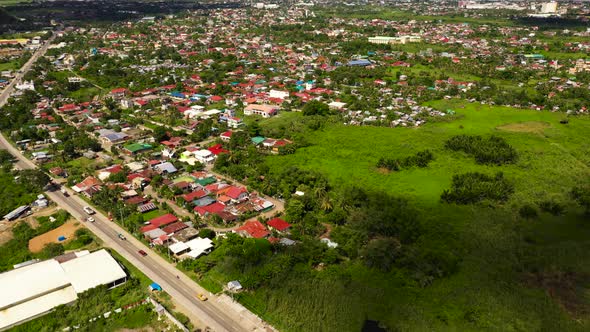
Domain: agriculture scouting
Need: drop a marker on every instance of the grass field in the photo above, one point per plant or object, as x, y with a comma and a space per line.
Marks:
12, 65
515, 275
153, 214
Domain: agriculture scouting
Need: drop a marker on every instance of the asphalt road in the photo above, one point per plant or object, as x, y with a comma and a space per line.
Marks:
213, 313
21, 73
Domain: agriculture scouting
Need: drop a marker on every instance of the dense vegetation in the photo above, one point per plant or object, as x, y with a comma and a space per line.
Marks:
493, 150
476, 266
474, 187
420, 159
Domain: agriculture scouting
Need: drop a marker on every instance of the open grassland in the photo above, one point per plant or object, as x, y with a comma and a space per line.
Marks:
515, 274
552, 159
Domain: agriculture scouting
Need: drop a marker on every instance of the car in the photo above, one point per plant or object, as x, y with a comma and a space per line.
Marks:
90, 219
143, 253
88, 210
202, 297
121, 236
65, 192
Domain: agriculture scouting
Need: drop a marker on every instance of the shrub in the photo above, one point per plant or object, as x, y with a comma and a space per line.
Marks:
420, 159
473, 187
493, 150
528, 211
552, 207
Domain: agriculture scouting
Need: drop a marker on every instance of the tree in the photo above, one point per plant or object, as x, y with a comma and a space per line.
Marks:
160, 134
52, 250
381, 253
315, 107
34, 179
207, 233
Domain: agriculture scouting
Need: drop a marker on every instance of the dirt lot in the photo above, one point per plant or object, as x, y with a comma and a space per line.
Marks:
526, 127
6, 226
68, 229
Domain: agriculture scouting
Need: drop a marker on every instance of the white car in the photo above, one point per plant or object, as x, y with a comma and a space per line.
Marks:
88, 210
90, 219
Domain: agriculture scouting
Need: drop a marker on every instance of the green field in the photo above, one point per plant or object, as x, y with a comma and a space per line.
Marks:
514, 275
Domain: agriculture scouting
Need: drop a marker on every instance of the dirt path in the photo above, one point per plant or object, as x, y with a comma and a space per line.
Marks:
68, 229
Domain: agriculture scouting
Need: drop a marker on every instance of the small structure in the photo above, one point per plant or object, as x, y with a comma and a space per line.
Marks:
234, 286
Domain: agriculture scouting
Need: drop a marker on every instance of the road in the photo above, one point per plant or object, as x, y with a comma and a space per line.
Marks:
217, 315
24, 69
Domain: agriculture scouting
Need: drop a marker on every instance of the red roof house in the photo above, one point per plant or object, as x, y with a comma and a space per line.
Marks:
163, 220
278, 224
253, 228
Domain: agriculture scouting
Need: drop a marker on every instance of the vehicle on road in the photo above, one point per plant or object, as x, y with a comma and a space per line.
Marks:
202, 297
143, 253
121, 236
88, 210
65, 192
90, 219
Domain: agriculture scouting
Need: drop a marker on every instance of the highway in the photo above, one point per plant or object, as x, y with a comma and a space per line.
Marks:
216, 314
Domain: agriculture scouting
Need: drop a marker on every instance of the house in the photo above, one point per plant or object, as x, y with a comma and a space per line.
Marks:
266, 111
163, 220
253, 229
165, 168
87, 184
234, 122
136, 148
118, 93
214, 208
204, 156
279, 225
226, 136
237, 194
109, 137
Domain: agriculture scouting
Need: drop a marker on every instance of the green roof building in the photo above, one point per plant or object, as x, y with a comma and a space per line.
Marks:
135, 148
257, 140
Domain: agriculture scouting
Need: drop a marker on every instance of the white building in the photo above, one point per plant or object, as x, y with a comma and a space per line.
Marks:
34, 290
278, 94
549, 7
395, 40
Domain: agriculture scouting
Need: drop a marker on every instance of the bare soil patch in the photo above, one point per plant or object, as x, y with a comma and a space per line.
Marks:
68, 229
570, 290
536, 127
383, 170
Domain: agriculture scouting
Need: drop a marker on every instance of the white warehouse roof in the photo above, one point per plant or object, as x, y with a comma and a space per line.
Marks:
89, 271
36, 289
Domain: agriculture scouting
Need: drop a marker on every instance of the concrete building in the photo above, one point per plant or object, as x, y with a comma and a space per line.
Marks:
549, 7
34, 290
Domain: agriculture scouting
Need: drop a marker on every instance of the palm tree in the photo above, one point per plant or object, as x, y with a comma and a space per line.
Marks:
326, 203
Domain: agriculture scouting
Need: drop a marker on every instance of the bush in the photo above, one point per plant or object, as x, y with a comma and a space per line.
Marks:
494, 150
420, 159
473, 187
552, 207
528, 211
